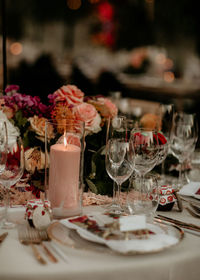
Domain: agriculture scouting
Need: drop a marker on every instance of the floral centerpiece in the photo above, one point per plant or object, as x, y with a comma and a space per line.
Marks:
26, 115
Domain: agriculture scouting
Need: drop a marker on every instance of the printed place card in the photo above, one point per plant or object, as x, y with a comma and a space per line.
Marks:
131, 223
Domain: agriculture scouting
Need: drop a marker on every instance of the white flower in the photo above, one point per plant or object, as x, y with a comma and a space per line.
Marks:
12, 131
34, 158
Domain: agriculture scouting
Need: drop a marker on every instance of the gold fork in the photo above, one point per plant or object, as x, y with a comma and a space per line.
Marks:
28, 238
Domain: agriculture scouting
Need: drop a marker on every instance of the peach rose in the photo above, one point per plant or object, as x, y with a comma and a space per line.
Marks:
38, 125
71, 94
105, 107
87, 113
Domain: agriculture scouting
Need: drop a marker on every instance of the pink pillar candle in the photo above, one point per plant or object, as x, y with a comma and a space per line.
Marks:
64, 178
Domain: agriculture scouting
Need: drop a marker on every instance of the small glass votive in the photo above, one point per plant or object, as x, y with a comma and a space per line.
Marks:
64, 149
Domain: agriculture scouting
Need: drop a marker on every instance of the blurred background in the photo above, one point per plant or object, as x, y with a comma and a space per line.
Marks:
142, 49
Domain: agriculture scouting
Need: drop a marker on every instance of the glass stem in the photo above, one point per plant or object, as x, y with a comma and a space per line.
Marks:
163, 169
118, 194
114, 193
180, 176
7, 203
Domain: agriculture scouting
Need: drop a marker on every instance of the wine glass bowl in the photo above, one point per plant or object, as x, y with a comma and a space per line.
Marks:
145, 146
3, 145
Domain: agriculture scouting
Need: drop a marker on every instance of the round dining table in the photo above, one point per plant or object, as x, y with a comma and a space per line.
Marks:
179, 262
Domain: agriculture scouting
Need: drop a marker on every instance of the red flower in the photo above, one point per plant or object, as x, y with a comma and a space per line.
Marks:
161, 138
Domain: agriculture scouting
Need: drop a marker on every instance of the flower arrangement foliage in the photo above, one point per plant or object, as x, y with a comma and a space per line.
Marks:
26, 115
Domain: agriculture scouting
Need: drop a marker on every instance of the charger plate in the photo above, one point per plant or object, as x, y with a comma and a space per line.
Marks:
76, 237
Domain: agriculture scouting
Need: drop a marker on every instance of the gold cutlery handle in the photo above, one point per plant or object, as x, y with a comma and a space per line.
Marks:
3, 236
49, 253
37, 254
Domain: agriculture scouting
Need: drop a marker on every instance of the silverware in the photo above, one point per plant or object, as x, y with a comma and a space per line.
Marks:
192, 212
3, 236
27, 239
38, 236
195, 208
180, 223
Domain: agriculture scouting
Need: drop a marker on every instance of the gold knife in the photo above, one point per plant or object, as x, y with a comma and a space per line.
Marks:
180, 223
3, 236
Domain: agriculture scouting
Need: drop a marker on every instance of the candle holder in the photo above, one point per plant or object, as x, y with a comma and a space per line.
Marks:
64, 149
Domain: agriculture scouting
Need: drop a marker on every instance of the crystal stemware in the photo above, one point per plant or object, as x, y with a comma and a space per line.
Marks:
13, 171
166, 114
145, 146
119, 158
184, 138
3, 145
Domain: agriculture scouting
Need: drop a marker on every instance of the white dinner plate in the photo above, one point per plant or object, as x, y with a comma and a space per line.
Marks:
165, 236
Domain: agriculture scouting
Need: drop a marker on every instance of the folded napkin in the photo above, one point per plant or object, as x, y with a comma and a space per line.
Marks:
191, 189
155, 242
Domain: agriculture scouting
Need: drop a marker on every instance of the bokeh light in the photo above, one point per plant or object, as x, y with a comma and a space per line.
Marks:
169, 77
16, 48
74, 4
94, 1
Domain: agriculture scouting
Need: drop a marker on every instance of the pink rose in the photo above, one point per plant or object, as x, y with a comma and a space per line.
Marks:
87, 113
104, 106
70, 94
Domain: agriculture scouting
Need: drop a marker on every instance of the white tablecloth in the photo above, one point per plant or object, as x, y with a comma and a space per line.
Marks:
180, 262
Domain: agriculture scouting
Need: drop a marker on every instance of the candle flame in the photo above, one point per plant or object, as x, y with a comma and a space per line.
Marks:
65, 140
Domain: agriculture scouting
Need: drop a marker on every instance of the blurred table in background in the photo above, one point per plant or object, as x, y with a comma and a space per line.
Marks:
145, 87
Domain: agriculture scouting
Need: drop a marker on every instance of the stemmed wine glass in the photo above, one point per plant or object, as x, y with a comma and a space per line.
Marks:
13, 171
184, 138
144, 143
119, 158
166, 114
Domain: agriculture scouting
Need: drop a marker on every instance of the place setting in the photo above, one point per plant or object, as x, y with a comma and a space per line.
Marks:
63, 174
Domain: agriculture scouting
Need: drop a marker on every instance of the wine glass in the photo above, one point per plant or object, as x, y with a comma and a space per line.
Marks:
119, 158
3, 145
166, 114
144, 143
12, 172
184, 138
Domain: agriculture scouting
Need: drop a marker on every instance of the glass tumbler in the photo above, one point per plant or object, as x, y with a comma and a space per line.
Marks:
145, 200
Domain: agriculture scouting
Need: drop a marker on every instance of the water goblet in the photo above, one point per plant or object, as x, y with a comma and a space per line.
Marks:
12, 172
